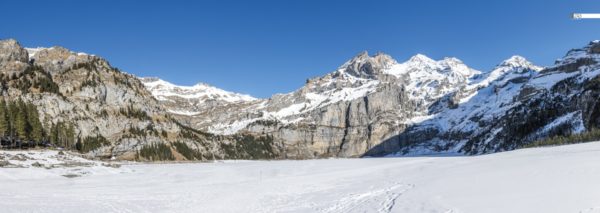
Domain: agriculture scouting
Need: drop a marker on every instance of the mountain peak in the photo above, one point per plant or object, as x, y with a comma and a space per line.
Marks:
11, 50
457, 66
365, 66
362, 54
420, 58
517, 61
360, 57
10, 41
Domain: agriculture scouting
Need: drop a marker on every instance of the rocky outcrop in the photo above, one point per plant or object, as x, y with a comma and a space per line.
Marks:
365, 66
13, 57
11, 51
594, 48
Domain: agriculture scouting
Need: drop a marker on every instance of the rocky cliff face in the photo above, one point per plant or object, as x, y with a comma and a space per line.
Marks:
365, 102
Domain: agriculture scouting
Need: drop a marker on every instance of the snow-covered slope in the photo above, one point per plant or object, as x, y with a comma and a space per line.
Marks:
193, 98
557, 179
162, 89
429, 79
515, 104
488, 96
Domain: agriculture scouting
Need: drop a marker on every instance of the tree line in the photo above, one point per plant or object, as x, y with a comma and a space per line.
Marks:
20, 127
155, 152
19, 123
586, 136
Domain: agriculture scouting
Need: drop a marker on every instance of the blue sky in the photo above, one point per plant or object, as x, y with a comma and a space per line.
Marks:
266, 47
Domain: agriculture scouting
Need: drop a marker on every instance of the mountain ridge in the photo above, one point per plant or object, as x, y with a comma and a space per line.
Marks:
369, 106
356, 79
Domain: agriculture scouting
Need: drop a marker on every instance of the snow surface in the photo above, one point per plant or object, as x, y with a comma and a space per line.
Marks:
161, 89
230, 128
50, 164
556, 179
183, 112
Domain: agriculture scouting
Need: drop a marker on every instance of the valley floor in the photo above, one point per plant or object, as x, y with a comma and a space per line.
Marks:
555, 179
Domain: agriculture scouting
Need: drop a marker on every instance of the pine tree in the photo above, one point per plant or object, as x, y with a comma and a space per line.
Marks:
21, 121
70, 136
53, 136
4, 125
13, 111
37, 131
60, 135
78, 144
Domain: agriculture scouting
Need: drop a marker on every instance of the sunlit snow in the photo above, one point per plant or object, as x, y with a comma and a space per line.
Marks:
557, 179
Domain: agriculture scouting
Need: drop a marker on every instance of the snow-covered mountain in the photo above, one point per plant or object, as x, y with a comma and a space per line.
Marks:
512, 105
370, 105
189, 100
366, 101
374, 105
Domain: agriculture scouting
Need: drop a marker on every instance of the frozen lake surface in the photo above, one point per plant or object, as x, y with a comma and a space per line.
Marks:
555, 179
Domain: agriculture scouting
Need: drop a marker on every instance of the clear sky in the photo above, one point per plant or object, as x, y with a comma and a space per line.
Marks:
266, 47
